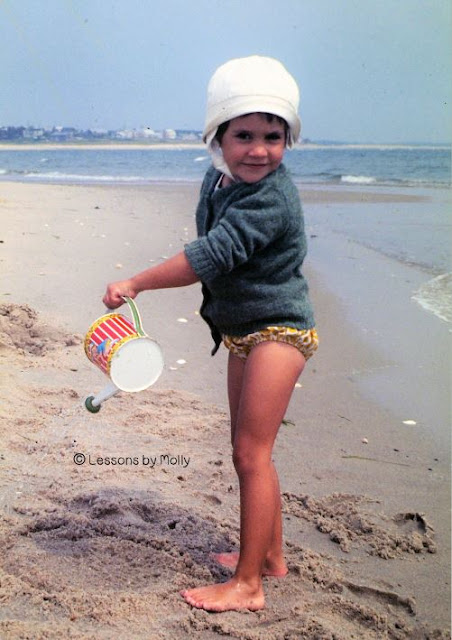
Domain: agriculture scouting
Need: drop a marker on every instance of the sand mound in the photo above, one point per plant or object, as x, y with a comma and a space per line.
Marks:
96, 549
340, 516
20, 329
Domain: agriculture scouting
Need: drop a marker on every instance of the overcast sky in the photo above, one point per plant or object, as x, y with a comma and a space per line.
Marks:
368, 70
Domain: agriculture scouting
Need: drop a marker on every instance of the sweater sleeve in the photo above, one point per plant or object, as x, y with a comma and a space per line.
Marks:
246, 227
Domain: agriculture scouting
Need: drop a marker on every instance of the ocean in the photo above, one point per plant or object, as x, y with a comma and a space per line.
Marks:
411, 166
417, 233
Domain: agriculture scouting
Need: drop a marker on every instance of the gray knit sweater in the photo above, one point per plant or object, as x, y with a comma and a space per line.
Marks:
248, 255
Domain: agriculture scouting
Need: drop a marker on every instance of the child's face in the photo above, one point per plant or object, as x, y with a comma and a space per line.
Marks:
253, 147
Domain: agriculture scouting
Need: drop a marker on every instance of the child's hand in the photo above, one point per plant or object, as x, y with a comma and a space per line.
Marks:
116, 290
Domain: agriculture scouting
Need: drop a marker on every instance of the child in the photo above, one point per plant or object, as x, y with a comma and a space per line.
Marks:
248, 255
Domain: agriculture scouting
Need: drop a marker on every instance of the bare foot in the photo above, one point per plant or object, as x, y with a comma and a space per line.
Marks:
273, 569
228, 596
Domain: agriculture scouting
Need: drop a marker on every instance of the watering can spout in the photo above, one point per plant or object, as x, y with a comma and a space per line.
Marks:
124, 352
93, 403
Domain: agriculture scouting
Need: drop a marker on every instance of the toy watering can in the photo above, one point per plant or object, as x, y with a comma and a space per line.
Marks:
123, 351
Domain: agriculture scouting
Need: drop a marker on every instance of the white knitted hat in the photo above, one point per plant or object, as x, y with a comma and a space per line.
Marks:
255, 84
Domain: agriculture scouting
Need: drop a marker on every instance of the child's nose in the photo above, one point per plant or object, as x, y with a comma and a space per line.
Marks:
258, 149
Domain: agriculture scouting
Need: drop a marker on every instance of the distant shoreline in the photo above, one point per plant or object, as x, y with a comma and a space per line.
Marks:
113, 146
182, 146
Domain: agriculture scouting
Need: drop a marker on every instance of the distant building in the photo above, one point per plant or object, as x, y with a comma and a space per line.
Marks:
30, 133
12, 133
62, 134
68, 134
188, 135
169, 134
150, 134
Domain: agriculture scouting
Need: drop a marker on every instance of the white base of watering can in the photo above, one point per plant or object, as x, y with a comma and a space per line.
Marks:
137, 366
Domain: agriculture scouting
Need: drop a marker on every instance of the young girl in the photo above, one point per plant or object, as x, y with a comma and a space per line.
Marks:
248, 256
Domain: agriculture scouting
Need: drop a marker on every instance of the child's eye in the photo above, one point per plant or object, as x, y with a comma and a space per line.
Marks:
274, 137
243, 135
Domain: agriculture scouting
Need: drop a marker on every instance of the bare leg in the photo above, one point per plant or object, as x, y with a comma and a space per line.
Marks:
269, 375
275, 564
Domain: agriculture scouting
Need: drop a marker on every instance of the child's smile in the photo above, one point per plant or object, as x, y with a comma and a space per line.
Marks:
253, 147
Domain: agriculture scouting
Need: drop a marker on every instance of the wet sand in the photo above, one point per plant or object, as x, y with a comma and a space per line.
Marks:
101, 549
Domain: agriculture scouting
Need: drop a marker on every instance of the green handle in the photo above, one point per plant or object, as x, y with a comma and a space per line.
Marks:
135, 315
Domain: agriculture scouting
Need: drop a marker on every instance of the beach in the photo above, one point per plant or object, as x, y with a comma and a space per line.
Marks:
105, 517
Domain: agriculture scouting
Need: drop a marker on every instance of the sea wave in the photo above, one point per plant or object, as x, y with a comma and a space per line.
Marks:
75, 178
358, 179
166, 175
436, 296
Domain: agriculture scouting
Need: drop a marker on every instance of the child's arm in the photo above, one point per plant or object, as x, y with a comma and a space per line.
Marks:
174, 272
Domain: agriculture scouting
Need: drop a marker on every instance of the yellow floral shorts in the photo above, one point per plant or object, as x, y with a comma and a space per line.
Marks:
305, 340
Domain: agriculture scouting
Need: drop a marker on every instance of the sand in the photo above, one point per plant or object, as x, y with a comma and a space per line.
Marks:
104, 518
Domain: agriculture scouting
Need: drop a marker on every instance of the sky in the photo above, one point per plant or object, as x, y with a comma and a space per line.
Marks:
368, 70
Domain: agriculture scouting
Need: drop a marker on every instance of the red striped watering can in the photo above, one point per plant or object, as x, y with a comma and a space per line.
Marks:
122, 350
